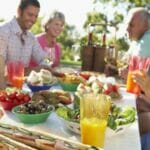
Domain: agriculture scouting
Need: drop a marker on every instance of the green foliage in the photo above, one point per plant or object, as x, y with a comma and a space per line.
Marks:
120, 44
37, 28
66, 40
96, 17
130, 3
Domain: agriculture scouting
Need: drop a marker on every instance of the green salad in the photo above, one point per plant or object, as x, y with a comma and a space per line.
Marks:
118, 116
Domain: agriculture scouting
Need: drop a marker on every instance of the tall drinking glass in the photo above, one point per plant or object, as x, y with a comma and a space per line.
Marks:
137, 66
94, 111
15, 73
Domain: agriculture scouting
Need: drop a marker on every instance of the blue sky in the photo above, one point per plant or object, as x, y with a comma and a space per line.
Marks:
75, 10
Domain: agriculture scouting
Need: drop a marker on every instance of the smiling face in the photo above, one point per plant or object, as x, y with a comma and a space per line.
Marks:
55, 27
27, 17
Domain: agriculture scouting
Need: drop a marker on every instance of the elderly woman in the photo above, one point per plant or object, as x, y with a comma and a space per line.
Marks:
53, 26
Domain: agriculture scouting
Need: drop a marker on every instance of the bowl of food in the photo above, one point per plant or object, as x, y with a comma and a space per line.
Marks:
35, 88
10, 100
69, 86
42, 80
33, 112
70, 82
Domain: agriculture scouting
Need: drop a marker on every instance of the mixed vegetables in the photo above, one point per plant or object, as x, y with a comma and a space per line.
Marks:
14, 95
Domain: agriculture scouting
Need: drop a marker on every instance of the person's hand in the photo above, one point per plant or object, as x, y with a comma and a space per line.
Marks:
123, 72
143, 82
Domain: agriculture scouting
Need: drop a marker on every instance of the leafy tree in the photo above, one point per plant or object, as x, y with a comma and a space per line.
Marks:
66, 39
37, 27
130, 3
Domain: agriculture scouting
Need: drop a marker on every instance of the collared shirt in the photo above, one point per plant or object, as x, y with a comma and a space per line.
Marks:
142, 46
13, 49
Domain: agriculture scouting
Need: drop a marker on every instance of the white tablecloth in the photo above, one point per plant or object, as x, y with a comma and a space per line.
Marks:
128, 139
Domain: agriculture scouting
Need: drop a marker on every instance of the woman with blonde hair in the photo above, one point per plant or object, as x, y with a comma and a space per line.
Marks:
53, 26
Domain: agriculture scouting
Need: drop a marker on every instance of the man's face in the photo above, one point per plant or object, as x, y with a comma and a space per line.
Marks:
136, 27
28, 17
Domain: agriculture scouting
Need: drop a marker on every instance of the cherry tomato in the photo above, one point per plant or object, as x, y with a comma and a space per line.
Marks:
12, 95
20, 96
26, 98
2, 98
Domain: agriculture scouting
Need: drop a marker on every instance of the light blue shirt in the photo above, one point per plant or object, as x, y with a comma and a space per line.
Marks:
142, 46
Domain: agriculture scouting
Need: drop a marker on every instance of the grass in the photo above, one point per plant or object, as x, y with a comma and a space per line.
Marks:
69, 62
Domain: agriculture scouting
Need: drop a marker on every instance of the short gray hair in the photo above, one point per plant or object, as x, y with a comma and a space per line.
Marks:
54, 15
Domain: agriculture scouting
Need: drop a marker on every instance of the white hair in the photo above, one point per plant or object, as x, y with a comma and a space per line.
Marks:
54, 15
143, 13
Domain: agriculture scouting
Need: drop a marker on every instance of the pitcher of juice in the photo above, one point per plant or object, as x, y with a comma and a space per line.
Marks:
94, 111
15, 73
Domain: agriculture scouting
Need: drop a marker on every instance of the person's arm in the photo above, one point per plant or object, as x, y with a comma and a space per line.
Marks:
38, 56
2, 72
37, 52
3, 53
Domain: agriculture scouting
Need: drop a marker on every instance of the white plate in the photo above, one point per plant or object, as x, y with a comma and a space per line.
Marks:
72, 126
75, 127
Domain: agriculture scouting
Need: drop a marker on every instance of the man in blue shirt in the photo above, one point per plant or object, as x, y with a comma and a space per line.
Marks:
138, 29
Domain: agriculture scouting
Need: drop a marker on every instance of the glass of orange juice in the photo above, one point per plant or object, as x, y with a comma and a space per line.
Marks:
94, 111
138, 65
15, 73
132, 86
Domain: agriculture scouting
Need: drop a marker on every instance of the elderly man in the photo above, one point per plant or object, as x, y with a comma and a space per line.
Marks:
16, 42
138, 29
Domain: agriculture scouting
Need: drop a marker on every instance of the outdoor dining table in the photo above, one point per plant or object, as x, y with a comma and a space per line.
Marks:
126, 139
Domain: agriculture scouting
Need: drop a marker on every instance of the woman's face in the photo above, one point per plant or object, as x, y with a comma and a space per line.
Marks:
55, 27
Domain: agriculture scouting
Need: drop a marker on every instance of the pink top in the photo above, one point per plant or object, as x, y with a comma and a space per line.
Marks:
41, 39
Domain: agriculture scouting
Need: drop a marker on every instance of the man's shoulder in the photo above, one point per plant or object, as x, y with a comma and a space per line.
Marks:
144, 44
147, 35
5, 27
145, 40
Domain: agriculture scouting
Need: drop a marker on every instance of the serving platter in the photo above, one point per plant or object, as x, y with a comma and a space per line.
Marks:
118, 125
75, 128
